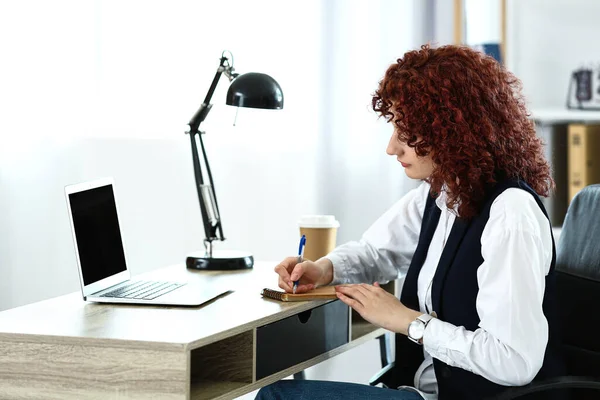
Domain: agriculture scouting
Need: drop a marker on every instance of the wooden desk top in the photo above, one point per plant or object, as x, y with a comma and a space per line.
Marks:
70, 318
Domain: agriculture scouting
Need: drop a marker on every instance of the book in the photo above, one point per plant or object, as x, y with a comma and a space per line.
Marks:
321, 293
583, 157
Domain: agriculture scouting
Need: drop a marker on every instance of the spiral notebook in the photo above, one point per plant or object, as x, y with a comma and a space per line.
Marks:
321, 293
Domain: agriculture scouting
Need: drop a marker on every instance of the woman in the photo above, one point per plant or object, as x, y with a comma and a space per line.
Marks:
476, 312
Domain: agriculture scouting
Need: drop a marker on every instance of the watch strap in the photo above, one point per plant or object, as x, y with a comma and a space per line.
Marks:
425, 318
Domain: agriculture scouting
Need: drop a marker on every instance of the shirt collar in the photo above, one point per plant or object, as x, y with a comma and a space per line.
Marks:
440, 201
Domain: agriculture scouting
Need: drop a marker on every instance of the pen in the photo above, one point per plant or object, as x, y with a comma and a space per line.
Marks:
300, 257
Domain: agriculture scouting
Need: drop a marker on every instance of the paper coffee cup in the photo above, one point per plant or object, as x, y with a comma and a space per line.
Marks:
320, 232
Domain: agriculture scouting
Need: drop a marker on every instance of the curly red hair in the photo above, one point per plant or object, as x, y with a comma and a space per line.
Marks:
467, 112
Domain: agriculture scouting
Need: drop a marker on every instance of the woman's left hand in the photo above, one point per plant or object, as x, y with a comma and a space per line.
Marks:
377, 306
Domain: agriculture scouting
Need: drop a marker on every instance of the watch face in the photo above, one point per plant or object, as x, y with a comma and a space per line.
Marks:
416, 329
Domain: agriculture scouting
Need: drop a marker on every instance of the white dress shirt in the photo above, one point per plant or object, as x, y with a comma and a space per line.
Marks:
516, 245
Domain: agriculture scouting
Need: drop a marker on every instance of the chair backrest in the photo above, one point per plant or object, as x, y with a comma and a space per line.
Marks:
578, 283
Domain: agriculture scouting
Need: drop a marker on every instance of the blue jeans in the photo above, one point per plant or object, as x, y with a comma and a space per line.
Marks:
314, 390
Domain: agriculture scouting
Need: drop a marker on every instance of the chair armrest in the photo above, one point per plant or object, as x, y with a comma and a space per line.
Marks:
383, 376
563, 382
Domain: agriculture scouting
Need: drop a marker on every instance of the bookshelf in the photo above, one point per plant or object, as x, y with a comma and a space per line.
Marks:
559, 115
552, 125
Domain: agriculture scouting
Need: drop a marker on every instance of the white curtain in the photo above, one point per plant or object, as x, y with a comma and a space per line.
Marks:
357, 180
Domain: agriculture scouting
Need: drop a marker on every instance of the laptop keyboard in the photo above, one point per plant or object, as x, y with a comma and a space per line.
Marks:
146, 290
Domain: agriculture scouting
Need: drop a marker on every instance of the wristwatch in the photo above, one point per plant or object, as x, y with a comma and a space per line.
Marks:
416, 329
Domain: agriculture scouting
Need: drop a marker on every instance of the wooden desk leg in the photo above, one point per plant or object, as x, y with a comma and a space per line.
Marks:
61, 370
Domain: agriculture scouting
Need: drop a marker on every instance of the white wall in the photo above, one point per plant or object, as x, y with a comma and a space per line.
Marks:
97, 88
105, 88
546, 41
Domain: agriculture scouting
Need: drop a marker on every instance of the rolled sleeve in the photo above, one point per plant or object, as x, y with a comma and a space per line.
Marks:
340, 268
385, 250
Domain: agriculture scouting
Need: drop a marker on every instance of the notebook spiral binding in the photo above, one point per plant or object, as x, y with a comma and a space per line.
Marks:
273, 294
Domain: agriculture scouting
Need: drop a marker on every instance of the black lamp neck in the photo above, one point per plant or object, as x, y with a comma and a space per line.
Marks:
200, 116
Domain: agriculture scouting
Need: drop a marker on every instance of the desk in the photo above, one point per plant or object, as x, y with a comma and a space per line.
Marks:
65, 348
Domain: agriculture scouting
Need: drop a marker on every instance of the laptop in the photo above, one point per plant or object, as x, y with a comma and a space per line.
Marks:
103, 271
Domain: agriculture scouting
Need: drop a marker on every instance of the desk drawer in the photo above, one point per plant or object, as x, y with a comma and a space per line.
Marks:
301, 337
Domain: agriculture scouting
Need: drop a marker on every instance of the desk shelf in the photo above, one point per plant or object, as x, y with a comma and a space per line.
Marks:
224, 390
222, 366
360, 327
205, 390
557, 115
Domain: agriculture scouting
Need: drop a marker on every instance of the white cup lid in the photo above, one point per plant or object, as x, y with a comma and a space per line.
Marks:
318, 221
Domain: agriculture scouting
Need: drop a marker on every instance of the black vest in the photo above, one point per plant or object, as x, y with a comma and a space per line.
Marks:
454, 294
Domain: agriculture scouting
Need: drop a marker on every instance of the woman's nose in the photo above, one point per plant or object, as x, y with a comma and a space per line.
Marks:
394, 146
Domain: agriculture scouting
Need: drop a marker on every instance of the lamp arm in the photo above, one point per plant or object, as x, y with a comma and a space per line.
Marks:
210, 178
197, 119
209, 230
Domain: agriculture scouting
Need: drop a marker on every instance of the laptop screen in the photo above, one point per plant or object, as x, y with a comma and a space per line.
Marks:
97, 233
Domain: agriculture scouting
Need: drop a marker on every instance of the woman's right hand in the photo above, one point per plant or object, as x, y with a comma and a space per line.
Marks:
310, 274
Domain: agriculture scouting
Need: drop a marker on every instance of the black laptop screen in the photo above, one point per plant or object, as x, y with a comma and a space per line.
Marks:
97, 233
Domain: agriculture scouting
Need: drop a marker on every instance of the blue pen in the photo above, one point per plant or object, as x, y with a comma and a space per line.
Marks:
300, 257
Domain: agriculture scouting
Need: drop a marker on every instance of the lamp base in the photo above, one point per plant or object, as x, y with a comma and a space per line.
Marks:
220, 261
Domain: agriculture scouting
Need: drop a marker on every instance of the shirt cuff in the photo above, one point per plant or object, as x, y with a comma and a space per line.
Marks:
340, 268
440, 339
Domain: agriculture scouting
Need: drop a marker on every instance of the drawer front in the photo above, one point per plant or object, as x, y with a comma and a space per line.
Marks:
301, 337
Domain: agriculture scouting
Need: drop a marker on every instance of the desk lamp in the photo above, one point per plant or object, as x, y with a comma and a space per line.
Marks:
254, 90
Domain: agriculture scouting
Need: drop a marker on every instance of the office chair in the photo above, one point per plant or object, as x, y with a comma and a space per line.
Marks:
578, 295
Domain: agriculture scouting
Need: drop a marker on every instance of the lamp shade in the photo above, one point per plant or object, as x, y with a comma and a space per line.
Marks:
255, 90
